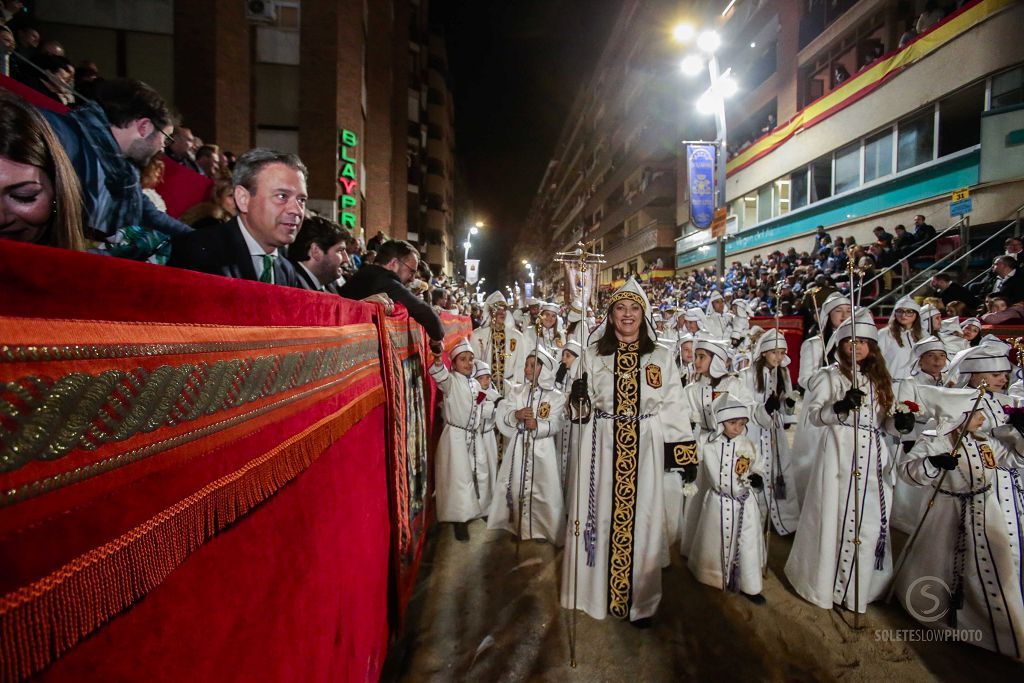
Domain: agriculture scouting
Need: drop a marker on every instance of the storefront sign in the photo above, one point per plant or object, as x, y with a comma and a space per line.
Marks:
347, 179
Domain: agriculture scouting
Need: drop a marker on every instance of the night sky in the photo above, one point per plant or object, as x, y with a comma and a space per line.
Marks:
516, 67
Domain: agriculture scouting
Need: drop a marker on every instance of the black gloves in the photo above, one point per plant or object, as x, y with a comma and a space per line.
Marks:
560, 375
688, 473
944, 461
436, 347
772, 404
904, 422
756, 481
1016, 419
855, 397
852, 399
579, 389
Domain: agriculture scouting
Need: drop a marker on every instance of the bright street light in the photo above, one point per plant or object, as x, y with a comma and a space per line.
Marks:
708, 103
466, 244
727, 85
683, 33
479, 224
708, 41
692, 65
474, 230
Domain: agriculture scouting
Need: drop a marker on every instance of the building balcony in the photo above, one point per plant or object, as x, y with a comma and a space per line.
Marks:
658, 191
648, 238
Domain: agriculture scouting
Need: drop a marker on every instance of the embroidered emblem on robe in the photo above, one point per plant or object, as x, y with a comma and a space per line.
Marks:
742, 465
653, 376
512, 345
988, 458
545, 411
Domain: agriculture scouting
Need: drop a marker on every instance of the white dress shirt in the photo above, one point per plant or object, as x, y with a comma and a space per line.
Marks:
257, 253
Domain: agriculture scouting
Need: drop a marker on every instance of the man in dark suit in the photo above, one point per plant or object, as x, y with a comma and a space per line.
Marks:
1009, 280
270, 193
922, 231
318, 254
393, 268
953, 291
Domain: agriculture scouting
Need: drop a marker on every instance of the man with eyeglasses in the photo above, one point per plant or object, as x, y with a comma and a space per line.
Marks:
394, 267
108, 141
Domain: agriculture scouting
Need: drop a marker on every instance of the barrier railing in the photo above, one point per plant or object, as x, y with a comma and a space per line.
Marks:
225, 449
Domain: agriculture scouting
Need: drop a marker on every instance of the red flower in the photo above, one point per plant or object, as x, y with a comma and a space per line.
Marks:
480, 397
913, 407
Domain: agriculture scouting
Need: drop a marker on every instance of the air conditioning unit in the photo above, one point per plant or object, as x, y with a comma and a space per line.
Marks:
262, 11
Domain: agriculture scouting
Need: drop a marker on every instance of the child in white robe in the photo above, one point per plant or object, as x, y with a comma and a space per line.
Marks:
530, 478
482, 374
728, 548
768, 382
462, 474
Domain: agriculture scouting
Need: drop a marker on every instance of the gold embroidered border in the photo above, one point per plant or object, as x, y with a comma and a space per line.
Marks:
631, 296
624, 471
46, 418
46, 353
58, 481
43, 620
498, 357
685, 454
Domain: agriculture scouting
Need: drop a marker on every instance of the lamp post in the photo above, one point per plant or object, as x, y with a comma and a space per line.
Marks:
473, 230
722, 85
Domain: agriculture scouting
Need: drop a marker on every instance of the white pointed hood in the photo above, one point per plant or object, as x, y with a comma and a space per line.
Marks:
631, 290
497, 299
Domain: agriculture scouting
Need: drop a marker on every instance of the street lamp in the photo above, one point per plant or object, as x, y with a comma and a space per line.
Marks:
473, 230
722, 86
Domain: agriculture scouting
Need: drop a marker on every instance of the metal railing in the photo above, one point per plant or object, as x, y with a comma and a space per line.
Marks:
1014, 223
960, 226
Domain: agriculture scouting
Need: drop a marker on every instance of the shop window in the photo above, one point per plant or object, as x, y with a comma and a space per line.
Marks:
878, 156
848, 167
915, 140
1008, 88
821, 179
764, 203
798, 188
960, 119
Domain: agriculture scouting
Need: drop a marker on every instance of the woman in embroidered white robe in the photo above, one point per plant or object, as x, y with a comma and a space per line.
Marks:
821, 564
529, 501
640, 428
769, 399
728, 548
962, 552
462, 466
552, 333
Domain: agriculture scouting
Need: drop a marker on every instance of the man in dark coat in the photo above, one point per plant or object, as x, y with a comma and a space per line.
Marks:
953, 291
393, 268
270, 192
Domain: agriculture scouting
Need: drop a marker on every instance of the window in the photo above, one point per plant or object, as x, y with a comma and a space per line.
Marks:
798, 188
848, 167
764, 203
915, 140
781, 196
878, 156
960, 119
821, 179
749, 217
1008, 88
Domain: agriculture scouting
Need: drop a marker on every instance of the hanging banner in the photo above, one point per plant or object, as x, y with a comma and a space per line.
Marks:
472, 271
700, 169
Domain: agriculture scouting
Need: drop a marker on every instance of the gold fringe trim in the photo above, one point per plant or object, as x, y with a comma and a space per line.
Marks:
43, 620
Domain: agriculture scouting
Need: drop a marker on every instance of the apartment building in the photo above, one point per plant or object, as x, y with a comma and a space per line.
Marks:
611, 181
340, 82
848, 118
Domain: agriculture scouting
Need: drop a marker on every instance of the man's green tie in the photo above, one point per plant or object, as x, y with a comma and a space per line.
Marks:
268, 268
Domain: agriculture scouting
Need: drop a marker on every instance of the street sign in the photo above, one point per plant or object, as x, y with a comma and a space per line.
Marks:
718, 223
960, 203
